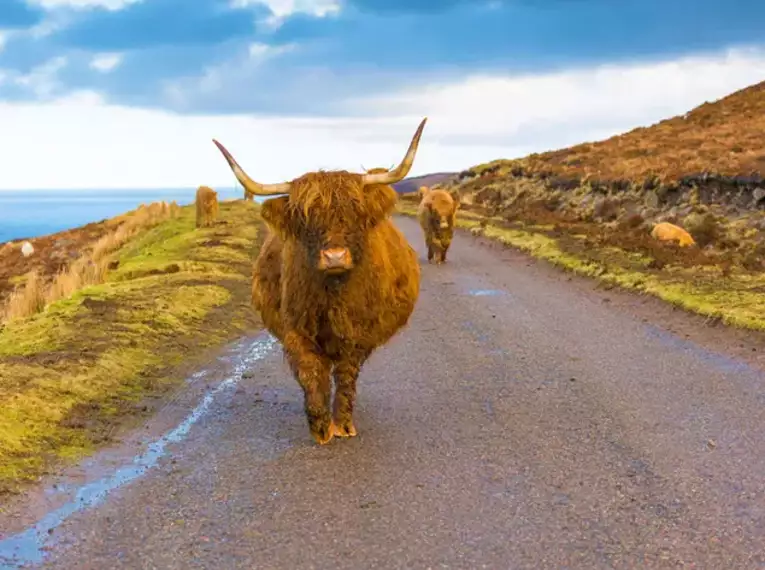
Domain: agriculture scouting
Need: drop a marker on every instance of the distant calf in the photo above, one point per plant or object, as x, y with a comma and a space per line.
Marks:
207, 206
670, 232
436, 214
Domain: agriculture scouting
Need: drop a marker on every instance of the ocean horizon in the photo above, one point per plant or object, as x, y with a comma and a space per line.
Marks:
26, 214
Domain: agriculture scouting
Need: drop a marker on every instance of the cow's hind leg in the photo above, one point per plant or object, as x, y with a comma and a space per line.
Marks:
346, 373
312, 372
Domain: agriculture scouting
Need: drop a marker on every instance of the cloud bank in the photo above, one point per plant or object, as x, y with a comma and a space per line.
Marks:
128, 93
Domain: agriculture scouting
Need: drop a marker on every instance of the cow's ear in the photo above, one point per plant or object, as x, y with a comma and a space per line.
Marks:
380, 200
275, 213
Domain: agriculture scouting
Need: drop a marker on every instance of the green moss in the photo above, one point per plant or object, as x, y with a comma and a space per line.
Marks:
68, 375
41, 332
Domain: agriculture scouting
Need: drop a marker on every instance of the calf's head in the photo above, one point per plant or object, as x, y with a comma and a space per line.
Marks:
441, 206
329, 213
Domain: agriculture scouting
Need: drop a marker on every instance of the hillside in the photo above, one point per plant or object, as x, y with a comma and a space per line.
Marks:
412, 184
591, 207
98, 357
723, 138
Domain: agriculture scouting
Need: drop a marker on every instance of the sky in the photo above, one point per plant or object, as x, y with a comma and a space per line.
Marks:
129, 93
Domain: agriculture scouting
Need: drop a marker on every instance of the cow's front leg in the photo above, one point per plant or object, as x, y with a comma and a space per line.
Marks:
346, 373
439, 254
312, 372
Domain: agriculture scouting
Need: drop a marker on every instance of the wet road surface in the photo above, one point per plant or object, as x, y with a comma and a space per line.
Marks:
518, 423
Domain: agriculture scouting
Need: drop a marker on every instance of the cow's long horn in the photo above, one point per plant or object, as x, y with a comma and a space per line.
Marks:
250, 186
399, 173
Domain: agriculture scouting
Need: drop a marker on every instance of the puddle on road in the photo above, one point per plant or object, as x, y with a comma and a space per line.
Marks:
28, 547
486, 292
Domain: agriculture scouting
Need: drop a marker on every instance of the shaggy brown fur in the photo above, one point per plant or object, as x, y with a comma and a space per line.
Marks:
207, 206
330, 322
436, 213
665, 231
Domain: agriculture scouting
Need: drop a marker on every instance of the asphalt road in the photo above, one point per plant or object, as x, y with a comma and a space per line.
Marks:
520, 422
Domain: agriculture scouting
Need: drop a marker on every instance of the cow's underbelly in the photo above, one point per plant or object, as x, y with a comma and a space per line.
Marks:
356, 332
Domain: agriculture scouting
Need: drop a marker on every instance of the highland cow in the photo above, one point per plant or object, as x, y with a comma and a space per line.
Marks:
665, 231
334, 280
207, 206
436, 213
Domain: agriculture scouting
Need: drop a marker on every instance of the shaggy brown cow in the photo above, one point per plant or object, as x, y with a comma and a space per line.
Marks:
334, 280
665, 231
207, 206
436, 214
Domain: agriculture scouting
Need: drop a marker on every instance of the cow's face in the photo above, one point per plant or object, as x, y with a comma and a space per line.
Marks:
442, 206
330, 215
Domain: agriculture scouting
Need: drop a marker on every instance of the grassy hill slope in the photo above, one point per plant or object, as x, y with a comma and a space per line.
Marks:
722, 138
591, 207
86, 363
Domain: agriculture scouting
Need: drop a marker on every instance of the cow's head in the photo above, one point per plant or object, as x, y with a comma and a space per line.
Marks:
442, 206
329, 213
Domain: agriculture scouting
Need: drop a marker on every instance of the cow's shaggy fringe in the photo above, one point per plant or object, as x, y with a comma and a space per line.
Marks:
90, 269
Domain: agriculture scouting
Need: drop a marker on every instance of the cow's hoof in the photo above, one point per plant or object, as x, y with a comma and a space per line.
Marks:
323, 437
346, 429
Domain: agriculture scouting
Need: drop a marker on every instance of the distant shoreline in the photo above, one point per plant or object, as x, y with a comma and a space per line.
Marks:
33, 214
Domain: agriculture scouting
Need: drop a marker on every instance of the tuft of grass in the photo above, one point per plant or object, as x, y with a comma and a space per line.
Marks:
73, 372
28, 297
91, 268
736, 299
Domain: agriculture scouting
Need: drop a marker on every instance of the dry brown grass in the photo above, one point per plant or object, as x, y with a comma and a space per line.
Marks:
723, 138
28, 298
33, 294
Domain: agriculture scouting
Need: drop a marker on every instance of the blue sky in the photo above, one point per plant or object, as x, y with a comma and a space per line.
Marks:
332, 60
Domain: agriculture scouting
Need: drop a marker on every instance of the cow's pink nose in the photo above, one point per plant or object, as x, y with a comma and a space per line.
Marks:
336, 258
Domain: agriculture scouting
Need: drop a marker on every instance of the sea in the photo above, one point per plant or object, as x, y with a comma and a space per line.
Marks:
35, 213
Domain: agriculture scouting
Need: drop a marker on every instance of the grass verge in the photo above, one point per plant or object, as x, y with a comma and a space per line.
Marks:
736, 298
71, 374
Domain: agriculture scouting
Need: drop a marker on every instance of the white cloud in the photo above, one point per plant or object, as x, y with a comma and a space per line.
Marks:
82, 4
260, 52
3, 38
214, 79
83, 142
42, 80
281, 9
558, 109
106, 62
